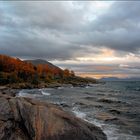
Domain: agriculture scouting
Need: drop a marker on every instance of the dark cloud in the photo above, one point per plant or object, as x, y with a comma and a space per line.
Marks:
37, 29
50, 28
51, 15
121, 24
118, 28
67, 30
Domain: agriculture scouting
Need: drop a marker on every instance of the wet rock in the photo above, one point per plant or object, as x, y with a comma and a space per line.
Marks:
3, 87
90, 98
114, 111
87, 93
80, 103
112, 119
106, 117
29, 119
64, 105
109, 118
88, 104
99, 106
105, 100
8, 91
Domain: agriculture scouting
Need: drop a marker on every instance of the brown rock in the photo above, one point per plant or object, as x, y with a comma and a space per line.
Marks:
106, 117
29, 119
114, 111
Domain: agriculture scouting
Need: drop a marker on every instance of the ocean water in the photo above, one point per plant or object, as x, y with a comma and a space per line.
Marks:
113, 106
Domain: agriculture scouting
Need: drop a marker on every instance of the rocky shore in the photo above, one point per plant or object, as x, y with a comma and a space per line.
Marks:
46, 85
30, 119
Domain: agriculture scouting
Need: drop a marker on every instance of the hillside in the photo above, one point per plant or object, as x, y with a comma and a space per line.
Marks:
37, 62
35, 73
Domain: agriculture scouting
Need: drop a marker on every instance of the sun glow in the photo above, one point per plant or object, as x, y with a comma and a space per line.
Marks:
98, 76
106, 55
107, 62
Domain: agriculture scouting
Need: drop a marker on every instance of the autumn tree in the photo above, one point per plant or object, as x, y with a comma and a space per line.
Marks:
72, 73
66, 73
16, 70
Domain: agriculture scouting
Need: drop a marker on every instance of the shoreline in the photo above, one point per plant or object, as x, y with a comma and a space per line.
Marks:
12, 89
60, 129
45, 85
99, 103
87, 98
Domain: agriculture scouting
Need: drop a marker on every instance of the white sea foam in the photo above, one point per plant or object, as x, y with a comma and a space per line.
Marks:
87, 86
60, 87
45, 93
111, 131
42, 89
22, 93
78, 113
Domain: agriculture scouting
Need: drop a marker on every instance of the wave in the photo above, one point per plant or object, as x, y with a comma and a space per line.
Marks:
78, 113
137, 89
41, 89
109, 100
60, 87
112, 131
45, 93
22, 93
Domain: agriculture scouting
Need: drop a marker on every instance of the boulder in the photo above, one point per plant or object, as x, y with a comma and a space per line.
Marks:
30, 119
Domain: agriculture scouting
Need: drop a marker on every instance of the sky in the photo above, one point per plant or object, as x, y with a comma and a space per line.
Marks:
93, 38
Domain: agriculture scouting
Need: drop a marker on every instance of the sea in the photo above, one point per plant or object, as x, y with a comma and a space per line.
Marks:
113, 106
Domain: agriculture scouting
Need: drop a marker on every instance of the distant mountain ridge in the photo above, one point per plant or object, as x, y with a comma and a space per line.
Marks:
120, 79
36, 62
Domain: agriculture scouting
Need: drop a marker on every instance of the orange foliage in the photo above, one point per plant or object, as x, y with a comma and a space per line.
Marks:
27, 71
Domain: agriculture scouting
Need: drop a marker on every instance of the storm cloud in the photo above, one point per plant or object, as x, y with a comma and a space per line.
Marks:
71, 31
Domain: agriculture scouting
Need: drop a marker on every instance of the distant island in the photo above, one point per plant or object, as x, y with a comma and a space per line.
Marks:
119, 79
17, 73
